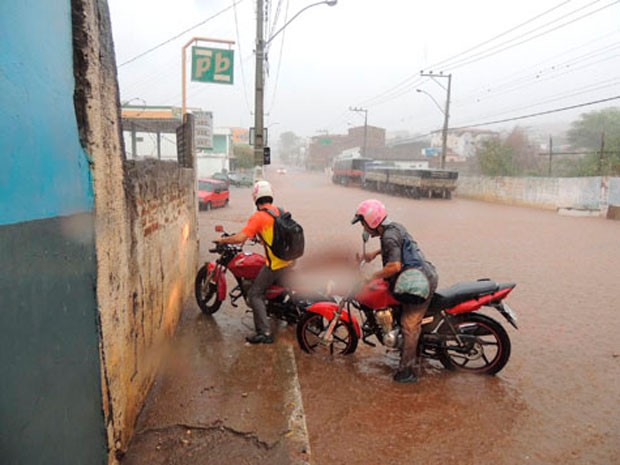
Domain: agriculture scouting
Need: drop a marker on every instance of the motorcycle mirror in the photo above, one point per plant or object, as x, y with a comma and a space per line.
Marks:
219, 228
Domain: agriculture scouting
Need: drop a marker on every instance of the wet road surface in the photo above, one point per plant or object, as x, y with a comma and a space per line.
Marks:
556, 402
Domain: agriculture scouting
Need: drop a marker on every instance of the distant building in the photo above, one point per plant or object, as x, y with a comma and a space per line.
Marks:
324, 148
462, 143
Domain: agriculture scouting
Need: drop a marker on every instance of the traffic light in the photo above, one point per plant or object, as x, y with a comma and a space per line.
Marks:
266, 156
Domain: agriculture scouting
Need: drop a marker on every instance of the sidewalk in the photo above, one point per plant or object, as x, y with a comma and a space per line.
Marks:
220, 400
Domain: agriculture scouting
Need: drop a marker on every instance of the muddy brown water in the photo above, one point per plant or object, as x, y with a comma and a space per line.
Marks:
556, 402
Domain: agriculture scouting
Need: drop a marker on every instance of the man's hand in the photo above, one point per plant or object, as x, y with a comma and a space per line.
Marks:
367, 257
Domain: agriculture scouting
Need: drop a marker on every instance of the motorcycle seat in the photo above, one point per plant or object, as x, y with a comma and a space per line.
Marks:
461, 292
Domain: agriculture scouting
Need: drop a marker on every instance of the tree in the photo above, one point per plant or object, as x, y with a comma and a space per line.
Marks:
496, 158
525, 158
595, 130
244, 156
288, 147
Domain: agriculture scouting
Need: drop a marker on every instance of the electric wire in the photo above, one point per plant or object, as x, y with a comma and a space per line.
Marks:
407, 84
488, 53
525, 76
516, 118
275, 86
406, 81
243, 81
152, 49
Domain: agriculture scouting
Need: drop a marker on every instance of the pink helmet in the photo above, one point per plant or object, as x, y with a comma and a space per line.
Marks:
372, 211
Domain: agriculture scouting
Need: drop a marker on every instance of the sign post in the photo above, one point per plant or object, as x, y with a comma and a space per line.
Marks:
208, 65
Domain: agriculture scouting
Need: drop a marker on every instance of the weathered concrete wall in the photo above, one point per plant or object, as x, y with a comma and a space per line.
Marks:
145, 232
592, 193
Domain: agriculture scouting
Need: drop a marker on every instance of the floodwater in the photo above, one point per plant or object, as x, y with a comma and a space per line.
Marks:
556, 401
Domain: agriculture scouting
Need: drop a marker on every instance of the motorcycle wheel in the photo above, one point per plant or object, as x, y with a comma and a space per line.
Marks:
487, 345
311, 327
206, 293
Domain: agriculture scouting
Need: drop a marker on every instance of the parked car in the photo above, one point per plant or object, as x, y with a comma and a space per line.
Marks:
281, 171
212, 193
222, 177
241, 179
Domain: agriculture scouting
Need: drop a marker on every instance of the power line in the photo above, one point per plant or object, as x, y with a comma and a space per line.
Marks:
512, 83
485, 54
406, 85
525, 23
275, 87
245, 92
152, 49
557, 110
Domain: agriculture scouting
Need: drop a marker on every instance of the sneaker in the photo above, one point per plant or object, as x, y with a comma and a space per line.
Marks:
260, 338
405, 376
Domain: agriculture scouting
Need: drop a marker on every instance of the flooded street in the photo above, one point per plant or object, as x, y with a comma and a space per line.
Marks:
556, 401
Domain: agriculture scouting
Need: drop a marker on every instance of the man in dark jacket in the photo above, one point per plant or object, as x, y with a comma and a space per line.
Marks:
396, 241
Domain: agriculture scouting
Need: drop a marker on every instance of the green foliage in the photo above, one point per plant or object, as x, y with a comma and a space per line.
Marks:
596, 130
244, 156
587, 131
496, 158
512, 156
288, 146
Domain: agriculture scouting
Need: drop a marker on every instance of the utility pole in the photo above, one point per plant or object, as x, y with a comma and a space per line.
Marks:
259, 142
259, 88
601, 155
550, 155
365, 111
446, 115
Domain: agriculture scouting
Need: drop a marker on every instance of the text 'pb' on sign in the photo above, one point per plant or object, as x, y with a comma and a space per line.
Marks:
212, 65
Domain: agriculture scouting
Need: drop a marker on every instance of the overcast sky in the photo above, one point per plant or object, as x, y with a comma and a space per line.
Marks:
507, 59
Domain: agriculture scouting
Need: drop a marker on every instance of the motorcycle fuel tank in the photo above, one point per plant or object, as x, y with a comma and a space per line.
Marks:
376, 294
247, 265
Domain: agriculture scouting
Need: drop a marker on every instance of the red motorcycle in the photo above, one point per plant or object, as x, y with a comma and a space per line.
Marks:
453, 331
210, 288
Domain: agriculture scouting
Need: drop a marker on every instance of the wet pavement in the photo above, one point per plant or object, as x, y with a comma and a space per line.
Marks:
222, 401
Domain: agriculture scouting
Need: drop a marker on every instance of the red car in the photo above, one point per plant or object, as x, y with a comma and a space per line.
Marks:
212, 193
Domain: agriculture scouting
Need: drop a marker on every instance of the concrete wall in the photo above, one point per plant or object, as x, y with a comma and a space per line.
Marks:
591, 193
146, 239
98, 254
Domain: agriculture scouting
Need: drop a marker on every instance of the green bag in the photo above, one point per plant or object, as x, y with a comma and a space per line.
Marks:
411, 282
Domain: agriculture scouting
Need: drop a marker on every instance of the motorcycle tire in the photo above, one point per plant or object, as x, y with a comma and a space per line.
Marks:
206, 293
309, 331
487, 345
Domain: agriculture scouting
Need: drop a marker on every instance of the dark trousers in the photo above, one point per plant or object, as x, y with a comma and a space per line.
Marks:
256, 296
411, 324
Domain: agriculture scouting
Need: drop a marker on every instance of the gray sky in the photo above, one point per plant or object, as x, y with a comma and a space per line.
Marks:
507, 59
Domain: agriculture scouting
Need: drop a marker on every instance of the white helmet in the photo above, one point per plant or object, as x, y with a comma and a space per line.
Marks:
262, 189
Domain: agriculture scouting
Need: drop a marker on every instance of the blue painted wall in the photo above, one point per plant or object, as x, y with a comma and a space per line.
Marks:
43, 169
51, 409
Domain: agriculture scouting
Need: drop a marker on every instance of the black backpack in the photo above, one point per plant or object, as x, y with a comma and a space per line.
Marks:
288, 236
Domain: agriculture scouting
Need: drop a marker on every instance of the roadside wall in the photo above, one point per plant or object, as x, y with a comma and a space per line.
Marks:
146, 241
98, 254
588, 193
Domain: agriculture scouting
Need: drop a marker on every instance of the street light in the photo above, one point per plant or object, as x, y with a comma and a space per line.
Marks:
259, 94
446, 113
433, 99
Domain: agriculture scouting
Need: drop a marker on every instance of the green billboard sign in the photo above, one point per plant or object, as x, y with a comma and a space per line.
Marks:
212, 65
